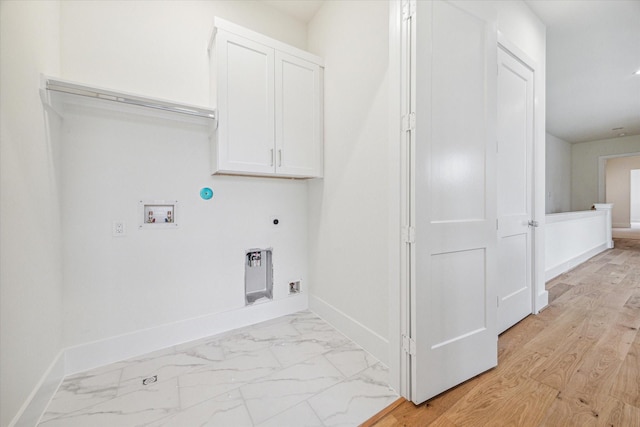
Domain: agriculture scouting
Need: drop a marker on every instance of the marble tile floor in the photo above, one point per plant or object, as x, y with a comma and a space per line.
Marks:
295, 370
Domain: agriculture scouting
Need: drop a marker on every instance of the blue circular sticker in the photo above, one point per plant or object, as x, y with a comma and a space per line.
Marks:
206, 193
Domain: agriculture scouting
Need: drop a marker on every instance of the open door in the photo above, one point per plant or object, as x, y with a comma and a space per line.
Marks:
453, 335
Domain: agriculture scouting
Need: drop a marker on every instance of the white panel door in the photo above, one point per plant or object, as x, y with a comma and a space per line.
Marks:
453, 283
515, 190
245, 93
298, 144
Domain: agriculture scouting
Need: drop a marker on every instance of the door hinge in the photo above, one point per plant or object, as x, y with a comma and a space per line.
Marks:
408, 9
409, 122
409, 234
408, 345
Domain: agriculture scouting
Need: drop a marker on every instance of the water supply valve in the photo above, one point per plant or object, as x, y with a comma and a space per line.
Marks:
254, 259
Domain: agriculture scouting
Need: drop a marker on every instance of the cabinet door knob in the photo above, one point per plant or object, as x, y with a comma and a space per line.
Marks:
272, 157
279, 158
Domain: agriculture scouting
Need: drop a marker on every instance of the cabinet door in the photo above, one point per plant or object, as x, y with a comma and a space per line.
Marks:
245, 93
298, 117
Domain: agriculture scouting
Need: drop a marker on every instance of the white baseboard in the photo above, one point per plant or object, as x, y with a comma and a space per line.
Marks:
33, 408
375, 344
568, 265
621, 225
542, 300
98, 353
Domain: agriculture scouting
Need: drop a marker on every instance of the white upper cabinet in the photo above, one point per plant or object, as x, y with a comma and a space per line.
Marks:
269, 101
298, 133
245, 85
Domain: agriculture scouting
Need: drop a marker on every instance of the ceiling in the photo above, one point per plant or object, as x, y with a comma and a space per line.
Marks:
593, 49
302, 10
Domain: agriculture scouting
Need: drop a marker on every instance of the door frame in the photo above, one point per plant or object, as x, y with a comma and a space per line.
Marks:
602, 167
398, 302
631, 199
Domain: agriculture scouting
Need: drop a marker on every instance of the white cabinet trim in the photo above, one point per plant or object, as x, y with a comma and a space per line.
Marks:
222, 24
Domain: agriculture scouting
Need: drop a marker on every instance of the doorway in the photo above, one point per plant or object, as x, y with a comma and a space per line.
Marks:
618, 188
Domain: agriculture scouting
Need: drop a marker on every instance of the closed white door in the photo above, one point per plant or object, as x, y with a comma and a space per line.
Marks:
297, 103
453, 281
245, 95
515, 176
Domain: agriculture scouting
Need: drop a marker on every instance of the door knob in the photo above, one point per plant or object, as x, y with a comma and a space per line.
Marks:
533, 223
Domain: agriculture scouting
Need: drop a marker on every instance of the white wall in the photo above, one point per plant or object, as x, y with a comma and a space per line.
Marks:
116, 285
618, 188
558, 175
348, 209
157, 48
30, 242
149, 278
584, 167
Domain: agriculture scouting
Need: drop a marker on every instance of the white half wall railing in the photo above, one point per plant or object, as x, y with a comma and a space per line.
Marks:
571, 238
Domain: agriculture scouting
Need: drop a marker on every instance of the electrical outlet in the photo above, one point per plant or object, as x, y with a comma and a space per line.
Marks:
118, 229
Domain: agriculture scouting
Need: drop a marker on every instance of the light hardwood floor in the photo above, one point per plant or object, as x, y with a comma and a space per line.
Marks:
577, 363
